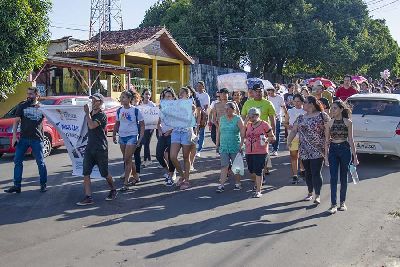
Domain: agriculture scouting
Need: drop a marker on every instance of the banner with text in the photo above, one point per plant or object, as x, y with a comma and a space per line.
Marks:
178, 113
71, 124
150, 115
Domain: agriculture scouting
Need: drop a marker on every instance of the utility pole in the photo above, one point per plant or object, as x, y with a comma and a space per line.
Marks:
107, 13
219, 48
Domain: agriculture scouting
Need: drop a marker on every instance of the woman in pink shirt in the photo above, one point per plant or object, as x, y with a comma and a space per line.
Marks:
258, 134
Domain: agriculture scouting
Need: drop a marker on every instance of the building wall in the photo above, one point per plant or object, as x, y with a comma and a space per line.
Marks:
14, 99
208, 74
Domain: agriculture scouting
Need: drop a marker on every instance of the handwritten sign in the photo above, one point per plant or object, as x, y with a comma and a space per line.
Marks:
233, 81
71, 124
178, 113
150, 115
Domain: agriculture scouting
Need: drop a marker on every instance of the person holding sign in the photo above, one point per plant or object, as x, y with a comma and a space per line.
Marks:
183, 138
164, 141
126, 126
31, 119
148, 133
96, 152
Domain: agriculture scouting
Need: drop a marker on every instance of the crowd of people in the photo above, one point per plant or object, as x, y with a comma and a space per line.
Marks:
316, 121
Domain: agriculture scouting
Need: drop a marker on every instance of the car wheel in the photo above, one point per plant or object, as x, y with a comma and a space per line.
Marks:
46, 146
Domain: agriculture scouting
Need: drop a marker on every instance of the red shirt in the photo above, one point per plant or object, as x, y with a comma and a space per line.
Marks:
344, 93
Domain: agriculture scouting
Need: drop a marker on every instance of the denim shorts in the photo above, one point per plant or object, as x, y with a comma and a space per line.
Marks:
181, 137
128, 140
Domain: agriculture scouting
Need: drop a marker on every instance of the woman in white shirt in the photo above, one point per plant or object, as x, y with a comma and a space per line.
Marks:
148, 133
291, 117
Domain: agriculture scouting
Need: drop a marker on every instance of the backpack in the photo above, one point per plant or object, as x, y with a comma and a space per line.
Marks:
136, 117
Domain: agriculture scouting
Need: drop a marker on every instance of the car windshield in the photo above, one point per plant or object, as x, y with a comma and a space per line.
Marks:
375, 107
47, 101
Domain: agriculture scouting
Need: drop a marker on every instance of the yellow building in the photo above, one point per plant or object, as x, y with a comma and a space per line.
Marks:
157, 59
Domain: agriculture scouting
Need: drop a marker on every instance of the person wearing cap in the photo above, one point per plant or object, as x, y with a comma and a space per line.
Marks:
346, 90
96, 152
258, 134
280, 107
320, 92
265, 106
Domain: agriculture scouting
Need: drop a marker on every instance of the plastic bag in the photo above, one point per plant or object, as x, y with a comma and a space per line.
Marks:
268, 161
238, 165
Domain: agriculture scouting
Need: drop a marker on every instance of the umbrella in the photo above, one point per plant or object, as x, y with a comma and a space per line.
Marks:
359, 79
265, 83
325, 82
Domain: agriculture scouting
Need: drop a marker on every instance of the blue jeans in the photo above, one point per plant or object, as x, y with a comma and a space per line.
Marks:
37, 151
200, 143
275, 146
339, 159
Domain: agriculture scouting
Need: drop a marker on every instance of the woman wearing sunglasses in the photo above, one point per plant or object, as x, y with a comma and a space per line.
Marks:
311, 129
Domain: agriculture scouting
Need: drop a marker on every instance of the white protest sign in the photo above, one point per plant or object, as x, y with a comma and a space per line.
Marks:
70, 122
233, 81
150, 115
178, 113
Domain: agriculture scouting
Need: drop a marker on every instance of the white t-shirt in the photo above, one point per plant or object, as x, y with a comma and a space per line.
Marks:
294, 113
150, 104
204, 99
213, 104
127, 121
278, 102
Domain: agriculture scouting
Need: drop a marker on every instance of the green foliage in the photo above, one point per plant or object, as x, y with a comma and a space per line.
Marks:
291, 37
23, 40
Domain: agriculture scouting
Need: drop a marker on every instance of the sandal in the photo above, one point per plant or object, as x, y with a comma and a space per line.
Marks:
134, 182
180, 182
185, 185
125, 188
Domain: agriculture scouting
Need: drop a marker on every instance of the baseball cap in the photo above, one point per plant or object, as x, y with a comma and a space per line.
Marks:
97, 96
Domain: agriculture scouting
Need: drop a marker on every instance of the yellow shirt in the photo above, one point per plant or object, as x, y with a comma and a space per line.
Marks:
265, 106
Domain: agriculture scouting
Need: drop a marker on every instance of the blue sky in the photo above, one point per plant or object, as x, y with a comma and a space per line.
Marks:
71, 17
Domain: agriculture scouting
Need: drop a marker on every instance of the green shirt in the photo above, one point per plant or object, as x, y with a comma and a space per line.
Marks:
229, 135
265, 106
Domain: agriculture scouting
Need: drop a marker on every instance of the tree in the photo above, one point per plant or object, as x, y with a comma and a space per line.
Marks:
322, 37
23, 40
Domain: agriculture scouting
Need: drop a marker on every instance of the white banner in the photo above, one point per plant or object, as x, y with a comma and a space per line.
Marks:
70, 122
233, 81
178, 113
150, 115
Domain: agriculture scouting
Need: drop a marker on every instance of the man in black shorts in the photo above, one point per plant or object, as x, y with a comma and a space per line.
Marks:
96, 152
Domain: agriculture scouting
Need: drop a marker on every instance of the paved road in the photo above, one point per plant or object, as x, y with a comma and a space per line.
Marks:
159, 226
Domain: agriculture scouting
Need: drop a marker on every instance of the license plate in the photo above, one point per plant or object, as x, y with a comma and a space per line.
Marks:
367, 146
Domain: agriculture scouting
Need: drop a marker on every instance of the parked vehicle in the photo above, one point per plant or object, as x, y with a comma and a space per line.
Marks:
376, 120
52, 138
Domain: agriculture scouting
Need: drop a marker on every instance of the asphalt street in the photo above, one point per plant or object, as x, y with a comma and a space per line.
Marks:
159, 226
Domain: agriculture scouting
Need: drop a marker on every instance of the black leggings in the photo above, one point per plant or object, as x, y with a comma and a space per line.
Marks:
214, 133
138, 160
164, 144
146, 143
313, 169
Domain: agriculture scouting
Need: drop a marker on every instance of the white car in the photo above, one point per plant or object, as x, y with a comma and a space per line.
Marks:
376, 120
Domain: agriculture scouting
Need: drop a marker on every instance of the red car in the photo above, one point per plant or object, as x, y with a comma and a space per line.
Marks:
52, 138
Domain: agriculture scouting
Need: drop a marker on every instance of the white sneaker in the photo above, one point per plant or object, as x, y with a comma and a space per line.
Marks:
274, 153
198, 155
332, 209
342, 207
174, 176
257, 195
192, 169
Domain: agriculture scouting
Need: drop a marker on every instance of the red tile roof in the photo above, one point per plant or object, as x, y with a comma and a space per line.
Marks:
115, 40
